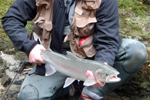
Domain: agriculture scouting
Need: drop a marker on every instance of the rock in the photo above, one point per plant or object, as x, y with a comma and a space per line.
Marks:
12, 74
10, 59
2, 88
6, 80
138, 38
129, 37
11, 95
1, 91
15, 87
18, 82
13, 67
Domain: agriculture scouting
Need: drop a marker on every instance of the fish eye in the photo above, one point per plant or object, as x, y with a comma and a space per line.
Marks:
106, 74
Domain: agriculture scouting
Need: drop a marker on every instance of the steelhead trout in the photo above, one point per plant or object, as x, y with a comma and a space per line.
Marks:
76, 68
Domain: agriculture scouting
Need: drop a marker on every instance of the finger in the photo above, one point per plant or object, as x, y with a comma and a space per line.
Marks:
40, 60
31, 61
89, 74
42, 47
101, 84
98, 84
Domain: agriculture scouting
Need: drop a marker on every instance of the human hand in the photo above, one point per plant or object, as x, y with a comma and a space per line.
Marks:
34, 55
98, 84
91, 74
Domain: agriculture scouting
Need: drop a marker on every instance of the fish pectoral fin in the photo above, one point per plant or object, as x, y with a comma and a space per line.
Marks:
89, 82
50, 70
68, 81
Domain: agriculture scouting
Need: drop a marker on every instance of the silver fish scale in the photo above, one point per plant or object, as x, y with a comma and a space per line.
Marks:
70, 64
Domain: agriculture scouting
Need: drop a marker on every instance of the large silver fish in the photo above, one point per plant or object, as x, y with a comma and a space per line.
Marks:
76, 68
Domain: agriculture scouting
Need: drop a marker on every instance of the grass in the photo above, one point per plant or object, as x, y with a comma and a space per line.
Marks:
134, 19
136, 6
4, 5
5, 44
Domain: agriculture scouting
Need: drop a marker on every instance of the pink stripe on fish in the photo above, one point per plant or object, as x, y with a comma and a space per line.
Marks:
70, 68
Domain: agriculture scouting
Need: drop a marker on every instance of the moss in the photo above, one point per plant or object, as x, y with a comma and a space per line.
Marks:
29, 26
4, 5
132, 25
7, 46
145, 85
133, 5
5, 43
20, 56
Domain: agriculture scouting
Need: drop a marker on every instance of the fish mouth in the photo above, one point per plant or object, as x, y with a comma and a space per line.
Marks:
113, 79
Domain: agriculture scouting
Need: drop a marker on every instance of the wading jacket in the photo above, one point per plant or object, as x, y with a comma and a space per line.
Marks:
106, 39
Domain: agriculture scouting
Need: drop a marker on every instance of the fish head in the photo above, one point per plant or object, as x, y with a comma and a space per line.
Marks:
107, 76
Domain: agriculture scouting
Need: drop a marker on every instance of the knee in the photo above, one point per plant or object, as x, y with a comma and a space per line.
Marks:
28, 92
137, 56
140, 54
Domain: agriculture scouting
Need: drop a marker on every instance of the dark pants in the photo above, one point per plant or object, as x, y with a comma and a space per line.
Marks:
130, 58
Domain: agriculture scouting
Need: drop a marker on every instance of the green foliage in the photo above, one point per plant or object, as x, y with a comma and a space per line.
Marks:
29, 26
7, 46
133, 5
5, 43
4, 5
20, 56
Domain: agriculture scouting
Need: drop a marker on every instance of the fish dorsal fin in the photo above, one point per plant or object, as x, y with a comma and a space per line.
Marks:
68, 81
49, 49
70, 54
89, 81
49, 69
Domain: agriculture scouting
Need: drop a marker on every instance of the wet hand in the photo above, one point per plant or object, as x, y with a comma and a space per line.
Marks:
34, 56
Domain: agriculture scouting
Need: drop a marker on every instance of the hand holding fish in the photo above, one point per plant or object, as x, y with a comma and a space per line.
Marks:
34, 56
91, 75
